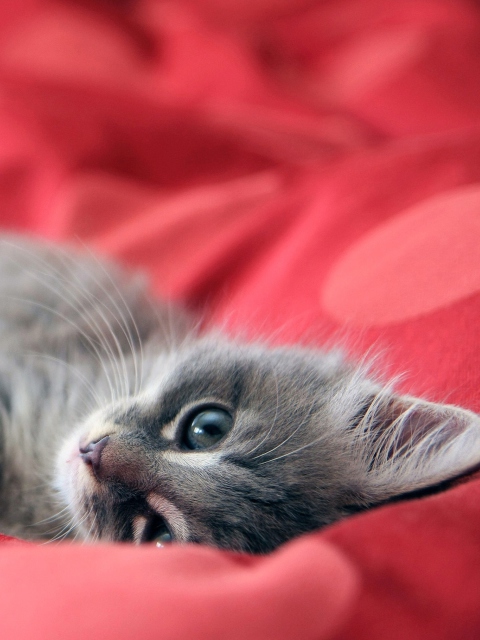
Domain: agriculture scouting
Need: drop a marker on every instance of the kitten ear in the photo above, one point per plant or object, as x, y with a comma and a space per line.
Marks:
410, 444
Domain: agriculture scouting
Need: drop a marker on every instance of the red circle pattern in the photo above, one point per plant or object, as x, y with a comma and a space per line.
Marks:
421, 260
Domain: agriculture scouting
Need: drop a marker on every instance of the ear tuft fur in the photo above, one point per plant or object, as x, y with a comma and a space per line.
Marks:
408, 444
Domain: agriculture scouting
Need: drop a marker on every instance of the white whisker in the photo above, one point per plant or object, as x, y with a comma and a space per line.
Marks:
124, 323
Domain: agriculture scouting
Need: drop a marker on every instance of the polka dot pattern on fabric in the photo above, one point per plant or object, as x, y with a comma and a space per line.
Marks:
423, 259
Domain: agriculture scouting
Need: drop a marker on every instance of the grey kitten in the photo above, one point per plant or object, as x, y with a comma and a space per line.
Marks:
120, 421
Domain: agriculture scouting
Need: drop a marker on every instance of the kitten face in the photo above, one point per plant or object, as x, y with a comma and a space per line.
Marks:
234, 447
244, 448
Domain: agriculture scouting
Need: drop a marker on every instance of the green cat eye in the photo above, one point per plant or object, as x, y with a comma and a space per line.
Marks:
206, 428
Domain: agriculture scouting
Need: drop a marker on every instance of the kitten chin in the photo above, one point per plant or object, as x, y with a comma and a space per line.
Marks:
120, 421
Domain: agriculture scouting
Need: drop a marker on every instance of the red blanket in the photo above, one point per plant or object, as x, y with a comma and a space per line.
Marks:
302, 169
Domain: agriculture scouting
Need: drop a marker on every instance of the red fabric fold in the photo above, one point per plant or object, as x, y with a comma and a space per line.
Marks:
174, 593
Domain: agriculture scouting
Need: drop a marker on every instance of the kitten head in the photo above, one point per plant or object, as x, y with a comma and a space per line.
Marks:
244, 448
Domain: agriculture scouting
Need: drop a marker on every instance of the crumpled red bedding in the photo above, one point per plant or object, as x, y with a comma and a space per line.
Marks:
295, 169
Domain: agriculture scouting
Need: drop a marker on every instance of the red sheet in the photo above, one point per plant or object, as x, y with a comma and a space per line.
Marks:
302, 169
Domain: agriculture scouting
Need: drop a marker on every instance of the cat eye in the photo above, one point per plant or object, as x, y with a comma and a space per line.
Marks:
207, 427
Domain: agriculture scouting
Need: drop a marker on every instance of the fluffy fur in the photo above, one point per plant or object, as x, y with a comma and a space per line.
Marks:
86, 357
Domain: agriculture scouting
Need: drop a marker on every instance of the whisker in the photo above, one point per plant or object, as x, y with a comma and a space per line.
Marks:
98, 305
52, 271
126, 330
272, 425
56, 516
291, 435
77, 328
87, 535
64, 532
70, 367
88, 296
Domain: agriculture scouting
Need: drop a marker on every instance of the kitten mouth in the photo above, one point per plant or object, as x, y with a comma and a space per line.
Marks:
151, 528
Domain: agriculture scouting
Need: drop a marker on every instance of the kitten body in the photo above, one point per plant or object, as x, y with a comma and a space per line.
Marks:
120, 421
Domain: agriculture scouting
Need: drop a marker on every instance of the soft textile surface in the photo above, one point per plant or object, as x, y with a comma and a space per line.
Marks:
296, 169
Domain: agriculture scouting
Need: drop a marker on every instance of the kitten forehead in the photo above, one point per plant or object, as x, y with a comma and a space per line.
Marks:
240, 374
200, 378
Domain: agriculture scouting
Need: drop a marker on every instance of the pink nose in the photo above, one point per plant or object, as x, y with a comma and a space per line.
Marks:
92, 452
